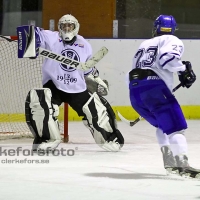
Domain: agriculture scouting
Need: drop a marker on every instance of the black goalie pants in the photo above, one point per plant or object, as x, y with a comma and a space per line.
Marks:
75, 100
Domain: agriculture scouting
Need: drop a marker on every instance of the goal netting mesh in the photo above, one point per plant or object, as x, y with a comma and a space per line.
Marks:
18, 77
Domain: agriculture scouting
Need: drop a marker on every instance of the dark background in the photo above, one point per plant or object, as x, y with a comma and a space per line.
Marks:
135, 17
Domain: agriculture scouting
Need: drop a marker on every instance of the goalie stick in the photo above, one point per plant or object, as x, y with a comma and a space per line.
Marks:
74, 63
132, 123
67, 61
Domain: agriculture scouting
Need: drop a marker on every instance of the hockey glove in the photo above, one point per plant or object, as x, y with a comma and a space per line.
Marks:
187, 77
102, 90
96, 84
28, 42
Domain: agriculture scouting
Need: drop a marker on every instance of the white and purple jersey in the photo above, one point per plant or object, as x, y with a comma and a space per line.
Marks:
65, 78
162, 54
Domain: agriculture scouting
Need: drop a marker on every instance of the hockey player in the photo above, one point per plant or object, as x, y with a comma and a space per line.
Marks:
150, 89
62, 83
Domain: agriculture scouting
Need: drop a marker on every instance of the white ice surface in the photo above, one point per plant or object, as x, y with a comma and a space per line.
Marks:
136, 172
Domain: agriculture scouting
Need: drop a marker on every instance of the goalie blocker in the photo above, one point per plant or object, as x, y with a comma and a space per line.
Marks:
28, 42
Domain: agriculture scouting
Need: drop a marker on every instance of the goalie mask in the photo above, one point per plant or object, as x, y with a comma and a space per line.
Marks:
164, 24
68, 27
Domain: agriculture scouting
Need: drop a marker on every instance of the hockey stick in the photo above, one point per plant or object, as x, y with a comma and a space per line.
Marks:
132, 123
177, 87
74, 63
67, 61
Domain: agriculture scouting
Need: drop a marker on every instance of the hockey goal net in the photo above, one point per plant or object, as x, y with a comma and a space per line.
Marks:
18, 77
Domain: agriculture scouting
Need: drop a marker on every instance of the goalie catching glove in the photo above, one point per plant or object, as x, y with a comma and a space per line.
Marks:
96, 84
187, 77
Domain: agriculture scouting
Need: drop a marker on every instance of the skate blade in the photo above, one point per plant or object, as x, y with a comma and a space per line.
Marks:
188, 177
170, 171
197, 176
44, 152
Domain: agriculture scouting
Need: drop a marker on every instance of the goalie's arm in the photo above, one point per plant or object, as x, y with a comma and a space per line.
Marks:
29, 46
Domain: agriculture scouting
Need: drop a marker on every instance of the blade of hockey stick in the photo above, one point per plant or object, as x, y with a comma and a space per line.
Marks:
67, 61
132, 123
95, 59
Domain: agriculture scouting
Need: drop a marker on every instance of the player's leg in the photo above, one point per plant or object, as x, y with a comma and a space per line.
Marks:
143, 103
41, 117
98, 120
140, 107
101, 124
171, 121
168, 159
178, 145
113, 121
94, 84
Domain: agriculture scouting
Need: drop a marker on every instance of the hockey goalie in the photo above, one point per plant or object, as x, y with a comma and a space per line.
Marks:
64, 83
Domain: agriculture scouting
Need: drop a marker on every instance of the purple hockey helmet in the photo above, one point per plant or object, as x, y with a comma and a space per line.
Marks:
164, 24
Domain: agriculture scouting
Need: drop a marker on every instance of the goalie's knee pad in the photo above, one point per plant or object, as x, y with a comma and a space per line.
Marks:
41, 115
100, 124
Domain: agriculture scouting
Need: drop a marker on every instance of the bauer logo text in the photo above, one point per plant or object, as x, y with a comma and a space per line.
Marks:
59, 58
20, 40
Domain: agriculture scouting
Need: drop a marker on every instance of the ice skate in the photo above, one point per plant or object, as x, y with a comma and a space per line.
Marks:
40, 145
184, 168
169, 161
36, 142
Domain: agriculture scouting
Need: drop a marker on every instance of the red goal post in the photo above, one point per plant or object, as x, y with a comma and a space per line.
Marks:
18, 77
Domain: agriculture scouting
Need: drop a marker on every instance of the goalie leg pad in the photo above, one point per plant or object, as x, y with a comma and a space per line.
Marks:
109, 145
98, 122
96, 113
113, 121
41, 118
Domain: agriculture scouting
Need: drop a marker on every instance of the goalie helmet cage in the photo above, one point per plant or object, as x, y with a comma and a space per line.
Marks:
18, 77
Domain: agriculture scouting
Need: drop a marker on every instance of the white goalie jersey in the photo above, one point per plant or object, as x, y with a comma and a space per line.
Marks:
158, 53
65, 78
